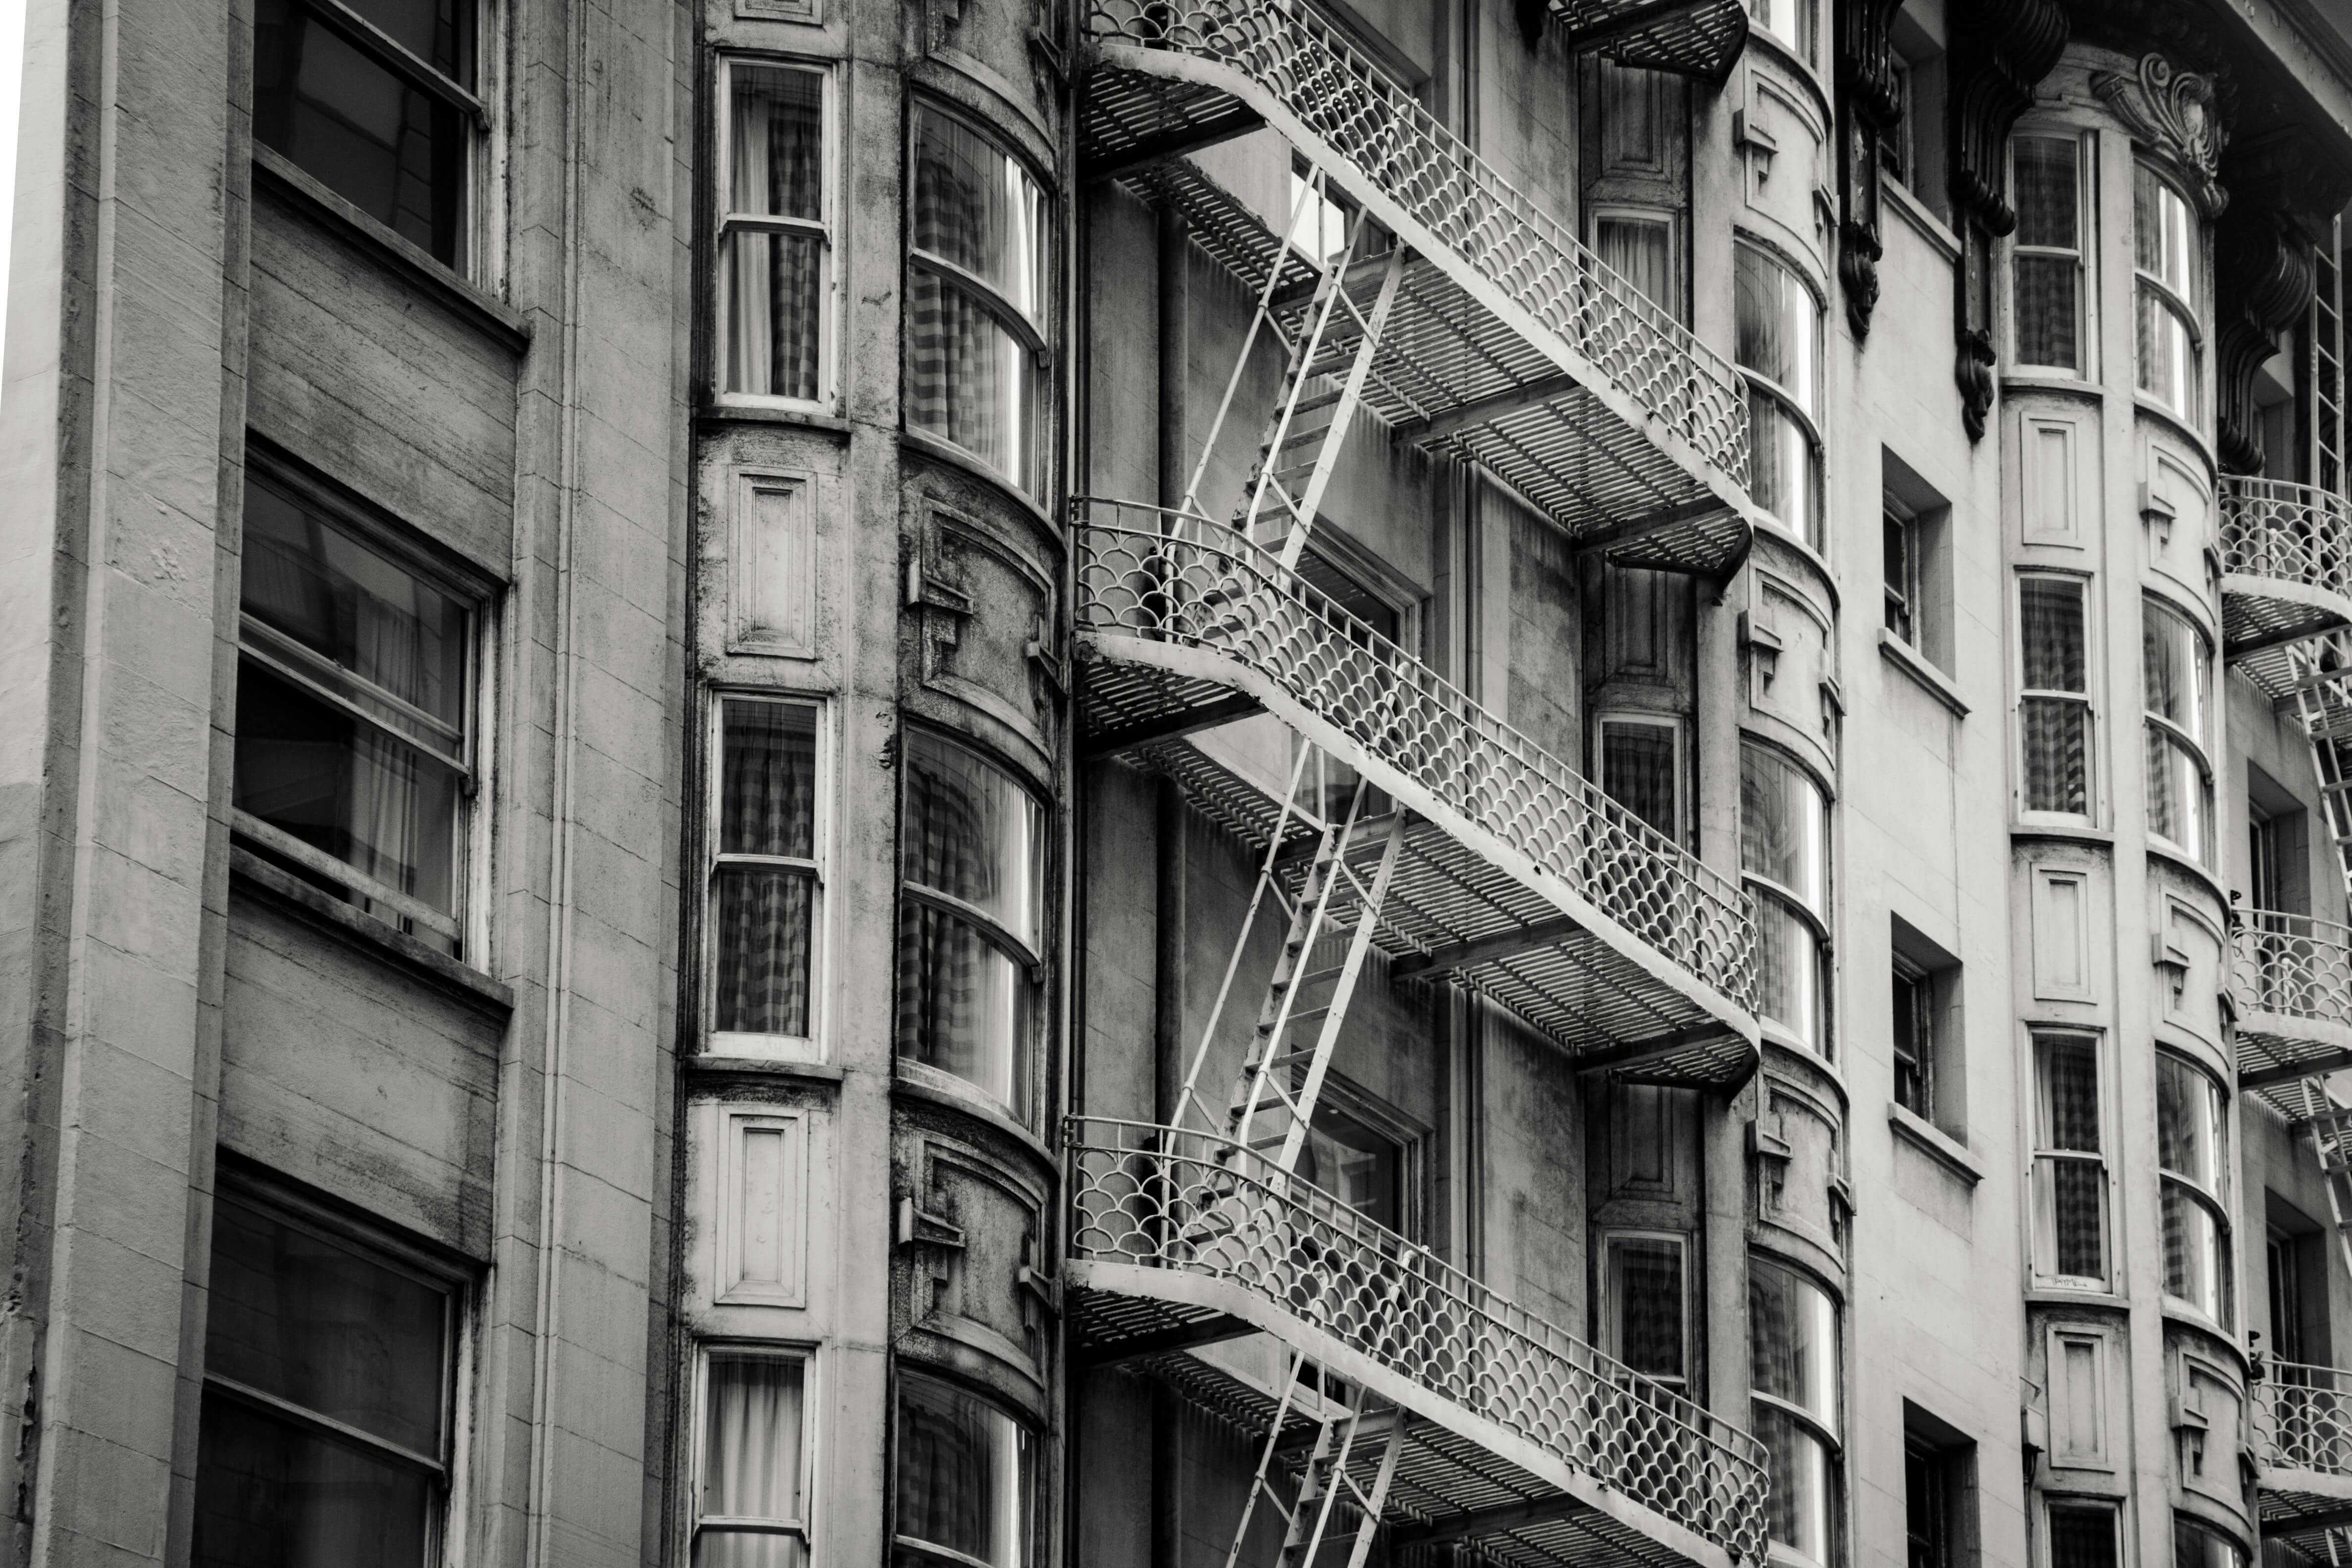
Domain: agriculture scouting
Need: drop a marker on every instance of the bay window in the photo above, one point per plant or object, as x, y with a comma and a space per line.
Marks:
979, 295
2192, 1152
1779, 329
2070, 1168
2055, 704
966, 1478
2196, 1544
1794, 1361
2178, 665
2170, 348
2047, 259
766, 873
750, 1507
775, 232
1784, 837
970, 928
376, 100
354, 745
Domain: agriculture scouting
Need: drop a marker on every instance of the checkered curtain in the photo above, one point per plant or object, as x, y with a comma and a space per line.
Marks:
778, 279
2057, 732
767, 806
2047, 200
954, 351
2069, 1093
959, 1480
1648, 1306
944, 966
1637, 771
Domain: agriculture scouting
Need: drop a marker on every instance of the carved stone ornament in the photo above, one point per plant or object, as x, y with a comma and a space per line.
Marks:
2172, 113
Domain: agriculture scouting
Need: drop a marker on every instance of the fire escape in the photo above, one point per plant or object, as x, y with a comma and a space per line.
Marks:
1407, 1399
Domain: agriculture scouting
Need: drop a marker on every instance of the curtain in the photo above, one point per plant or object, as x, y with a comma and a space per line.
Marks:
2082, 1536
1798, 1505
765, 913
1792, 1329
2068, 1070
1637, 771
2056, 732
1638, 251
962, 1474
775, 280
1646, 1293
751, 1461
2047, 196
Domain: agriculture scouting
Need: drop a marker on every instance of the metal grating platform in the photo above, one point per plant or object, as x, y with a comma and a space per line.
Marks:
1700, 38
2287, 563
2291, 983
2303, 1442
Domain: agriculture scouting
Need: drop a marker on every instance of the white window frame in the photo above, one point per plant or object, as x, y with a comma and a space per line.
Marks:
2199, 750
803, 1529
1922, 982
1635, 716
1612, 1343
2182, 306
2214, 1200
2086, 215
743, 1042
1813, 530
2086, 698
2103, 1284
1913, 573
825, 227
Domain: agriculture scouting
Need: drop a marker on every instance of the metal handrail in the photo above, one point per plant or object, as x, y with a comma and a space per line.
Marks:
1163, 1197
2287, 534
1400, 149
1191, 582
2296, 965
2302, 1418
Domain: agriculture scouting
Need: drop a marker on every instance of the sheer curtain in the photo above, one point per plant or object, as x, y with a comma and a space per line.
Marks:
1637, 770
752, 1462
767, 805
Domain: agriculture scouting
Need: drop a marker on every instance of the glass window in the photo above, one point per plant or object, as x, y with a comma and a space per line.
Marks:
2192, 1132
1645, 1307
1794, 1359
775, 233
749, 1511
1899, 534
2070, 1169
374, 99
353, 718
767, 876
2199, 1545
1784, 849
1640, 251
2048, 255
2170, 348
2178, 665
1362, 1168
2082, 1535
2054, 709
1792, 22
979, 291
965, 1479
1914, 1040
970, 928
1641, 771
1779, 327
1929, 1484
326, 1406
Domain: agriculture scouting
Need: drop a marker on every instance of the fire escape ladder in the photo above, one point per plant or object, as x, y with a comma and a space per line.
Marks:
2329, 1129
1352, 1436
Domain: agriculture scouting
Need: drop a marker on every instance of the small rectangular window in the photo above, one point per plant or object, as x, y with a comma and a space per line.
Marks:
375, 100
2048, 256
1641, 770
355, 713
2081, 1534
1640, 251
2070, 1169
1646, 1305
1914, 1040
1939, 1491
775, 232
329, 1379
750, 1508
767, 873
1899, 535
2054, 707
2169, 349
966, 1480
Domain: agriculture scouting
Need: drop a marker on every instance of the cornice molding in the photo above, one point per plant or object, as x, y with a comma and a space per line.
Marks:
2175, 115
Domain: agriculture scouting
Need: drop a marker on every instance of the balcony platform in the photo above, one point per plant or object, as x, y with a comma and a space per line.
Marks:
1518, 878
1701, 38
2291, 983
1510, 344
2303, 1443
2287, 563
1520, 1440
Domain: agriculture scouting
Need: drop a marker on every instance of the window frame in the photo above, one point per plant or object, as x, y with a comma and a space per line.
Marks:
2215, 1200
1770, 889
2055, 1503
1675, 310
1673, 723
1610, 1341
1812, 530
1910, 595
826, 228
715, 860
1827, 1429
2174, 733
2083, 255
807, 1357
2086, 698
2181, 306
1921, 983
2041, 1153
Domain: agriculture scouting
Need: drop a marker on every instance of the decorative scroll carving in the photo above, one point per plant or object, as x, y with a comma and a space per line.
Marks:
2173, 113
1869, 109
2001, 49
2284, 188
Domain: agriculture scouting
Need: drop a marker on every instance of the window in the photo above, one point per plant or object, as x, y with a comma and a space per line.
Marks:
2178, 665
1323, 220
1915, 1039
767, 872
1895, 155
2081, 1534
1358, 1164
1640, 248
1938, 1483
1914, 562
775, 232
1646, 1305
2055, 707
979, 291
374, 99
1794, 1357
328, 1386
2192, 1149
1779, 339
1327, 786
1792, 22
2288, 1305
1784, 849
353, 713
2199, 1545
2070, 1168
750, 1508
2049, 253
971, 921
2169, 349
1641, 770
966, 1478
1900, 535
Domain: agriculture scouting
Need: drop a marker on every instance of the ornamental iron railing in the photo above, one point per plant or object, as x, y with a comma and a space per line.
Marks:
1205, 586
1167, 1198
2291, 982
1394, 149
2287, 560
2303, 1419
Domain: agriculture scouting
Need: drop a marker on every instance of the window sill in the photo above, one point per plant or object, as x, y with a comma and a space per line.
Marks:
763, 1066
2052, 381
493, 317
719, 411
2200, 875
2171, 419
1914, 663
2059, 1295
945, 1088
948, 452
324, 911
1935, 1143
1918, 214
2075, 833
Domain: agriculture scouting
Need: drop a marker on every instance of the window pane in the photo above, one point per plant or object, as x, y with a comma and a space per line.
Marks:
2196, 1255
751, 1443
972, 382
439, 32
1911, 1044
963, 1475
395, 151
268, 1491
773, 303
980, 209
964, 1006
2052, 613
1647, 1306
1640, 252
974, 833
1637, 771
1791, 21
2049, 318
2048, 192
2196, 1546
1926, 1506
1901, 572
2178, 665
1778, 325
2067, 1069
768, 782
1789, 973
1360, 1167
1797, 1463
1783, 825
766, 921
2168, 360
2082, 1536
776, 139
1783, 467
2070, 1201
2191, 1124
319, 1325
2179, 796
2163, 236
1792, 1326
2057, 755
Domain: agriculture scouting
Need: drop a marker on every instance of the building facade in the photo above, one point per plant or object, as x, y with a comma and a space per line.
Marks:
1004, 783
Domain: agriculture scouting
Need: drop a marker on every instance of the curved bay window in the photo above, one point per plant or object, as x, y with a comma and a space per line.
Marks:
2196, 1544
965, 1480
2178, 664
1795, 1364
1779, 342
1784, 849
971, 919
2192, 1149
775, 232
2171, 349
979, 280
